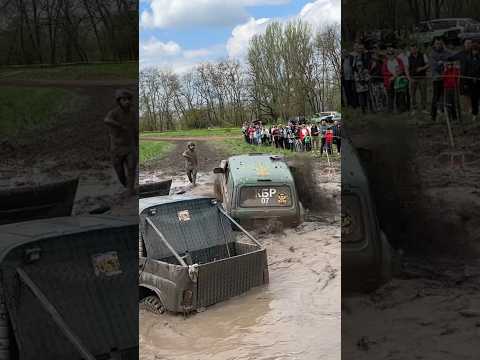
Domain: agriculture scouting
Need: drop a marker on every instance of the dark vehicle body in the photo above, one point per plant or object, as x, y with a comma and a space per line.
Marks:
256, 188
190, 257
37, 202
64, 288
366, 252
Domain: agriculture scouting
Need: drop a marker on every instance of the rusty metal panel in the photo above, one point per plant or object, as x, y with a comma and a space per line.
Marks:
223, 279
188, 226
100, 304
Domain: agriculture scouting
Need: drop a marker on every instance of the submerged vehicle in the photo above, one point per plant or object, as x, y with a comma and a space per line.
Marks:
66, 289
366, 251
258, 187
190, 258
37, 202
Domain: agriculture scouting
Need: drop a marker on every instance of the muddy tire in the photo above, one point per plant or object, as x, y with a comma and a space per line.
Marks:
152, 304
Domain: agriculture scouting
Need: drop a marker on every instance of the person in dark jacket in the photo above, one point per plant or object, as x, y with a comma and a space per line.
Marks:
418, 66
337, 134
472, 72
462, 57
438, 57
122, 123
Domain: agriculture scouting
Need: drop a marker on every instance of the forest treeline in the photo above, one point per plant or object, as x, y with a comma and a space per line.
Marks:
66, 31
290, 70
402, 15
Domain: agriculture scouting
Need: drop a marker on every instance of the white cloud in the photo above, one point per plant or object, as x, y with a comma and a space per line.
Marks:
317, 13
237, 45
154, 52
321, 12
156, 48
192, 13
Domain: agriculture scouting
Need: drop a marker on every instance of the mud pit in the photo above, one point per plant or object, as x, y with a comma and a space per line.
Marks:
81, 137
296, 316
432, 307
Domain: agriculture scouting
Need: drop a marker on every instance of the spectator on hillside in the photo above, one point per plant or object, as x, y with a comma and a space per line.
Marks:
438, 57
450, 87
418, 66
348, 82
377, 91
392, 69
472, 71
315, 132
362, 80
337, 135
462, 57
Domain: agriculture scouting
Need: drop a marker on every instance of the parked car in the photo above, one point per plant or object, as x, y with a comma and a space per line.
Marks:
258, 187
366, 251
190, 257
66, 288
450, 29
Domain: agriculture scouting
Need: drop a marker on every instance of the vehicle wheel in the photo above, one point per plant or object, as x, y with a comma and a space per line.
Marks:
152, 304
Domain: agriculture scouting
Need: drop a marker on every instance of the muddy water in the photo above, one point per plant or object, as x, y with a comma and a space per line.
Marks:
295, 316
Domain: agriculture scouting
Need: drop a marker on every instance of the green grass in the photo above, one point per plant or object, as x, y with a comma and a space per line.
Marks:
150, 151
195, 132
24, 108
72, 72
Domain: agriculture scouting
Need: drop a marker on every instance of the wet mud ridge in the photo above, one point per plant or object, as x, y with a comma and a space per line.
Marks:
434, 301
80, 137
295, 316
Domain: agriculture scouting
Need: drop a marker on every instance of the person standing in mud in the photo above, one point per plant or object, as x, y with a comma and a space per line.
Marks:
191, 163
122, 125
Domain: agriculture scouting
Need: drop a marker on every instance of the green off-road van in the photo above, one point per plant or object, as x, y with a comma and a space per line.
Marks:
366, 252
258, 187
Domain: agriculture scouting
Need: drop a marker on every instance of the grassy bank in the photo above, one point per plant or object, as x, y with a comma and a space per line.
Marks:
23, 108
195, 132
72, 72
150, 151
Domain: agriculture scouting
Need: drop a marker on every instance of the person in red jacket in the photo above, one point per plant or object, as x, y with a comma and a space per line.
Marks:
392, 68
451, 81
329, 140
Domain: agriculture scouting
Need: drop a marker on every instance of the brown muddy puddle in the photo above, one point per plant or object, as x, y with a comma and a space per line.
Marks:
296, 316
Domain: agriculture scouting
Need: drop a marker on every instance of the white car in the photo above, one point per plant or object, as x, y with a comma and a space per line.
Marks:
450, 29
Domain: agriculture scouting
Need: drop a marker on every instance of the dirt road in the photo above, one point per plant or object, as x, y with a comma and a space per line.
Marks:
297, 316
189, 138
76, 145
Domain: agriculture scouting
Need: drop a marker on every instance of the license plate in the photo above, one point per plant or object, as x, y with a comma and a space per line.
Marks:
278, 196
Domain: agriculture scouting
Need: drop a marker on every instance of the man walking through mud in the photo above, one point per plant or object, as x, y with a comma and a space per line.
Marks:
122, 125
191, 163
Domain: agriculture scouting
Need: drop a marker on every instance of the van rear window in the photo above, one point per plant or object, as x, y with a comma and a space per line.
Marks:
265, 196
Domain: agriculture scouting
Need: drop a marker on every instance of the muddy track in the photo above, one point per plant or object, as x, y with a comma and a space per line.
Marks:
76, 144
174, 163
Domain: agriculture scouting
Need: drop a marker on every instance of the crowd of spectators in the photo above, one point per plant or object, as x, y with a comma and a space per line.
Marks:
410, 78
316, 136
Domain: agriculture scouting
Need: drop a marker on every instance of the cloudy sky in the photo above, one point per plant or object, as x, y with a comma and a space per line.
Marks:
179, 34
